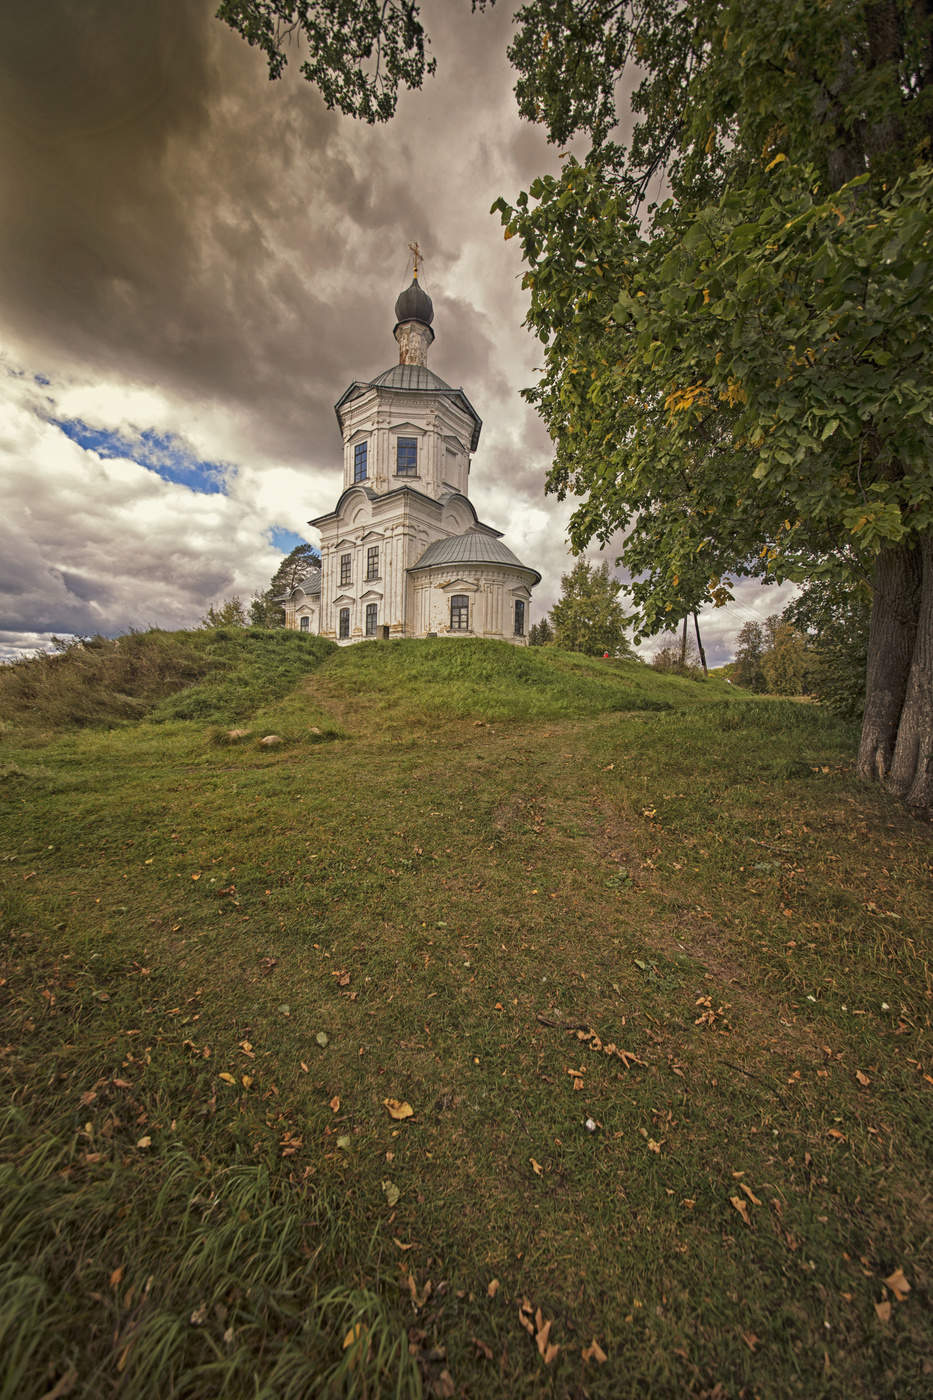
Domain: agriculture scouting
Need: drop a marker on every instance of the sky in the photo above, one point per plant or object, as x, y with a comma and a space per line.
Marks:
195, 262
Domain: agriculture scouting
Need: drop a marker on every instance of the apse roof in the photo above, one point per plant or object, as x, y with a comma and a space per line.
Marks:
471, 548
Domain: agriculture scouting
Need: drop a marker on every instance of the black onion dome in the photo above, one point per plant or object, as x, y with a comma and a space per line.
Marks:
414, 304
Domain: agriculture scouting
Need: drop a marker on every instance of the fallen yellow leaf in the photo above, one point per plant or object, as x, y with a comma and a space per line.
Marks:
492, 1288
334, 1104
884, 1311
536, 1167
227, 1078
398, 1110
898, 1284
863, 1079
741, 1207
594, 1352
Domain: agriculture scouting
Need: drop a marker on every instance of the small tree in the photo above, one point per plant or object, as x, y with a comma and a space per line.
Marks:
588, 616
541, 633
230, 613
787, 663
749, 649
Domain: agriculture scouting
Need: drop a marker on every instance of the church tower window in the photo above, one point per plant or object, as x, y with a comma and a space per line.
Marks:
372, 563
343, 629
459, 613
344, 569
359, 461
519, 618
305, 624
371, 609
406, 458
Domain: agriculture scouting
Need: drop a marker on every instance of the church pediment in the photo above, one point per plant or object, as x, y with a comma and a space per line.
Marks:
459, 585
342, 599
371, 595
454, 444
406, 428
521, 592
369, 535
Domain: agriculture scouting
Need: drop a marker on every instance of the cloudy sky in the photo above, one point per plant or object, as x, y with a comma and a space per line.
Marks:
195, 263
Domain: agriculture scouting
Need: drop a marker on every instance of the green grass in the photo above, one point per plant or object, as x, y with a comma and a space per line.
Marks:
215, 674
482, 856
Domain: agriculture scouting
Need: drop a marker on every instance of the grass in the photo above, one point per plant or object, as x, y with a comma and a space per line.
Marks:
517, 891
208, 675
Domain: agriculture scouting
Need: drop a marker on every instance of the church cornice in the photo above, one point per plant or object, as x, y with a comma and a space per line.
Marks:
377, 499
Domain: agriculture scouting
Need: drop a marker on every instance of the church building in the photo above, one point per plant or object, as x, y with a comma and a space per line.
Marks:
403, 552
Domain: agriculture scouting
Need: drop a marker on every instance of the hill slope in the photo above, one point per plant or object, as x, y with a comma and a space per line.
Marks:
651, 982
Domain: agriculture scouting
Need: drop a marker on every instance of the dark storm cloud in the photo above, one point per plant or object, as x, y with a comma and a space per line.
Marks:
173, 215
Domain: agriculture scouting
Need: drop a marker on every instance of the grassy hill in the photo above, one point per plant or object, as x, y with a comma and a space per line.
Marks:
648, 968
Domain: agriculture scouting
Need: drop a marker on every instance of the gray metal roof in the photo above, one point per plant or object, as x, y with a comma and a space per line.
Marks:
413, 379
471, 548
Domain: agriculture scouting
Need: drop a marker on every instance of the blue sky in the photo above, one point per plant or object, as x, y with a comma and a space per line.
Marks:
168, 456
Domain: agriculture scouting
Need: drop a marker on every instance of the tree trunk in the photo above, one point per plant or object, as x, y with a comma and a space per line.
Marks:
911, 775
891, 638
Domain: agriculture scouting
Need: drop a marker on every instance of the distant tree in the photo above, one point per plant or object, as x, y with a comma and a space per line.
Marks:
265, 609
230, 613
786, 662
588, 616
540, 633
835, 616
749, 649
263, 612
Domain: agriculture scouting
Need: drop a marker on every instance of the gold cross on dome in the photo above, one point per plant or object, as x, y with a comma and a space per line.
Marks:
417, 255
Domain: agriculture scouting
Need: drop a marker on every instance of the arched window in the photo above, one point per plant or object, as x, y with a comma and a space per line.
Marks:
459, 613
371, 611
519, 618
344, 628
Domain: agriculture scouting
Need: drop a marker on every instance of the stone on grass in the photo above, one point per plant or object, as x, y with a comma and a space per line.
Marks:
270, 740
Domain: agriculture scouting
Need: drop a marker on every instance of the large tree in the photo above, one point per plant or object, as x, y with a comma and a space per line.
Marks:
740, 376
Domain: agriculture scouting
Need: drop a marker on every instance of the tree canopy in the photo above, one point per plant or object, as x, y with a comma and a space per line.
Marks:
358, 53
739, 375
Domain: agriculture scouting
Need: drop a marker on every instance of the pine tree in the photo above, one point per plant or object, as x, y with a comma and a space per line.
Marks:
266, 608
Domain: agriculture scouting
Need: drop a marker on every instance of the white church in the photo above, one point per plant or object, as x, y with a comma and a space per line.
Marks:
403, 553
